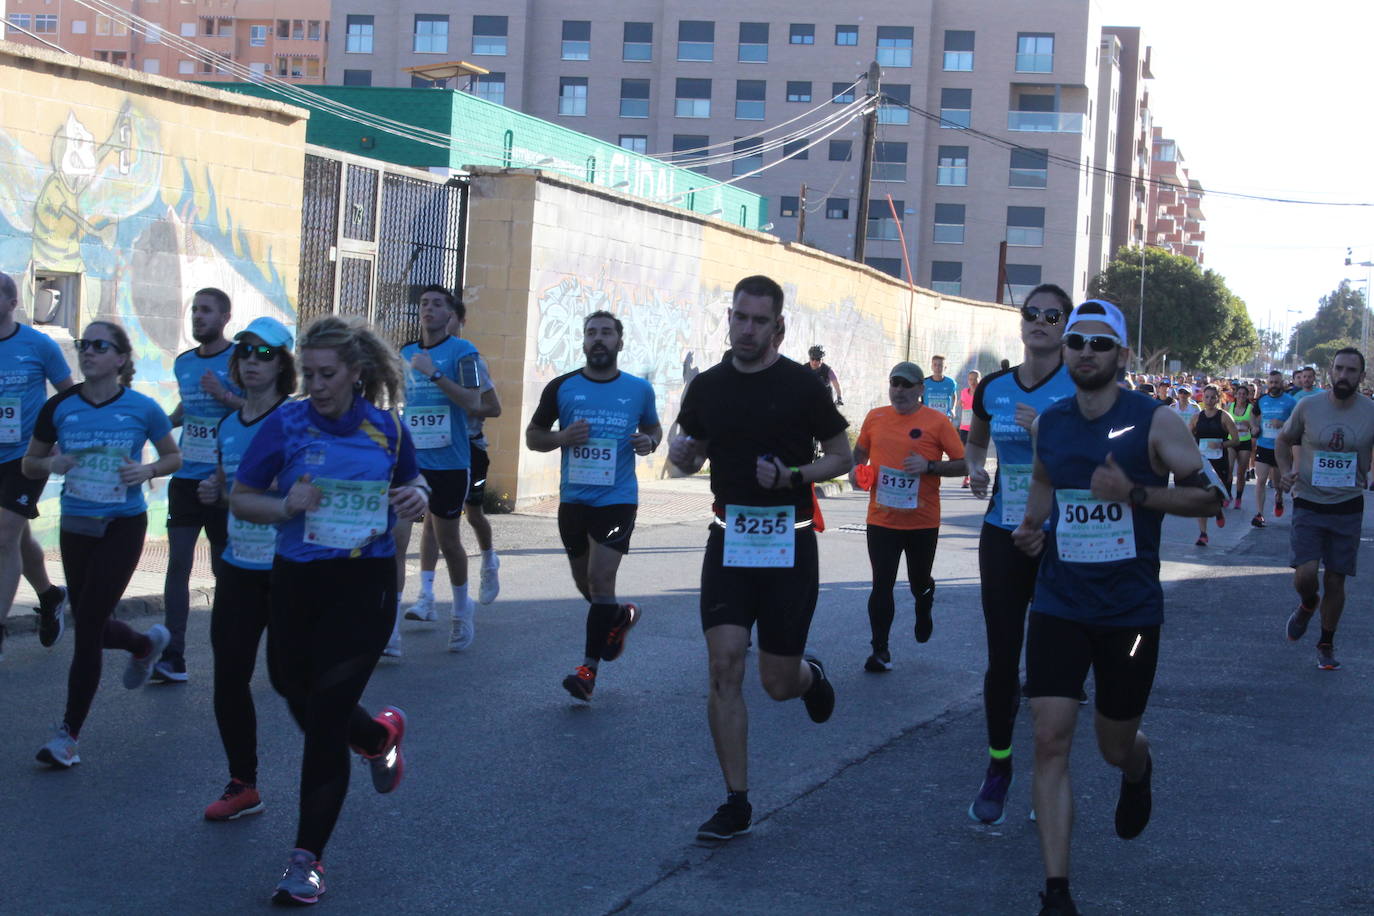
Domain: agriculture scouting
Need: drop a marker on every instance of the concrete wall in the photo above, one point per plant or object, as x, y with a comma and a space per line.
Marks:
543, 252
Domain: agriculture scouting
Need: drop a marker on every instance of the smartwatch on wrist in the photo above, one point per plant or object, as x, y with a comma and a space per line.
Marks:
798, 481
438, 374
1138, 496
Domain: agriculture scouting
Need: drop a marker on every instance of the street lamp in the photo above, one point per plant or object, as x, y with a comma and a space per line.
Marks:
1297, 338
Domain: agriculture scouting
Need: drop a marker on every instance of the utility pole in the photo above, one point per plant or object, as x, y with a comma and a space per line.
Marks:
801, 216
866, 171
1002, 271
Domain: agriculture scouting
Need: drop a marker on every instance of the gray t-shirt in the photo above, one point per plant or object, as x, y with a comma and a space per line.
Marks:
1336, 444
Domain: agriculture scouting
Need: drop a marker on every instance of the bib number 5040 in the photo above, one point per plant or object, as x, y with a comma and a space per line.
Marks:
1099, 512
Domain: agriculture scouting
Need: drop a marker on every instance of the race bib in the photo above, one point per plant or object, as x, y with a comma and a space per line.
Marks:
11, 419
1210, 448
350, 514
897, 489
95, 478
250, 542
430, 427
592, 463
1093, 530
1015, 490
940, 402
1272, 428
760, 536
198, 439
1334, 469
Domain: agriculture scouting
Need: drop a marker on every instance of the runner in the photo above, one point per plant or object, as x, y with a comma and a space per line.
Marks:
905, 442
1183, 403
207, 396
348, 470
1215, 433
966, 410
1272, 411
100, 427
263, 369
940, 392
824, 374
1336, 432
1102, 462
605, 418
29, 359
1305, 380
755, 418
1242, 411
1004, 407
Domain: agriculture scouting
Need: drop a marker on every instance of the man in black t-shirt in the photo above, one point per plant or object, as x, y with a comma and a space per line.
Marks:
754, 417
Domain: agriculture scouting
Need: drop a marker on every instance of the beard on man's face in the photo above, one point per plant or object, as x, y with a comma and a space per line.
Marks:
1343, 389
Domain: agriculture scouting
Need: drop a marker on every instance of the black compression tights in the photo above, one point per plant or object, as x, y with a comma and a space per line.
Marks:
1008, 584
885, 549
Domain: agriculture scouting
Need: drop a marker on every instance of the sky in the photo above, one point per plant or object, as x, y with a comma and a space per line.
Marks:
1271, 100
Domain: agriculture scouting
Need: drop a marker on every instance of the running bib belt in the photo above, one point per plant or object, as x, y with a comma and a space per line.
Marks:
1093, 530
898, 489
198, 439
1210, 448
95, 478
430, 427
350, 514
29, 359
201, 413
1334, 469
760, 536
592, 463
439, 431
1016, 482
11, 420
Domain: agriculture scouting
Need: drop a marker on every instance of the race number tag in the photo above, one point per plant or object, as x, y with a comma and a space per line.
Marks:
1272, 428
1210, 448
1334, 469
898, 489
250, 542
11, 416
1093, 530
198, 439
430, 427
941, 402
592, 463
760, 536
1016, 482
95, 478
350, 513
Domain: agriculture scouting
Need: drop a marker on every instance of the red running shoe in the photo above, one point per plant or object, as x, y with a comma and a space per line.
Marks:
1278, 507
389, 764
581, 683
239, 798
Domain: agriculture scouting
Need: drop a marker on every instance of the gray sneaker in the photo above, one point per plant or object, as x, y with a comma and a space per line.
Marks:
60, 752
141, 666
303, 881
1297, 623
1326, 657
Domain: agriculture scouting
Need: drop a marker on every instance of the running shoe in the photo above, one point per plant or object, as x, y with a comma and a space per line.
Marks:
581, 683
1236, 505
1257, 522
730, 820
423, 609
1221, 518
879, 662
141, 666
303, 881
1133, 806
1278, 506
1201, 541
239, 798
464, 630
1297, 623
820, 699
389, 764
925, 602
165, 672
1250, 474
52, 614
964, 485
990, 807
60, 753
489, 581
615, 640
1326, 657
393, 645
1057, 903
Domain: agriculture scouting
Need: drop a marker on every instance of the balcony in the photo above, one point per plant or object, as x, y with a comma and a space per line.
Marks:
1057, 122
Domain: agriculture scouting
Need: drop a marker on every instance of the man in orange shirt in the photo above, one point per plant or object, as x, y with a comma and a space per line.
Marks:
905, 443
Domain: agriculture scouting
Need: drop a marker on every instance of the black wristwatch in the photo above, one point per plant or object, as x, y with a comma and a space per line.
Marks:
797, 480
438, 374
1138, 496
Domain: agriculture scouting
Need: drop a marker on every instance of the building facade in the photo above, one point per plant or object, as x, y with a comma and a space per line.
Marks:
1175, 203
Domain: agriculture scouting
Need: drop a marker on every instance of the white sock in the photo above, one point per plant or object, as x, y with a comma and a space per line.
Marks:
396, 625
427, 582
489, 560
462, 604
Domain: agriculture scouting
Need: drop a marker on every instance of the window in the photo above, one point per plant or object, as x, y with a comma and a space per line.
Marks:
893, 110
947, 277
489, 35
798, 91
635, 143
958, 50
577, 39
639, 41
46, 24
796, 149
283, 28
952, 169
257, 36
152, 65
841, 150
889, 161
189, 66
788, 205
357, 78
572, 96
78, 26
881, 225
894, 45
24, 21
949, 224
890, 266
1029, 168
801, 33
431, 34
750, 157
1021, 279
847, 35
492, 87
188, 30
696, 40
749, 99
1026, 226
1034, 52
634, 98
753, 42
104, 25
837, 208
955, 107
687, 147
313, 30
258, 68
841, 93
693, 98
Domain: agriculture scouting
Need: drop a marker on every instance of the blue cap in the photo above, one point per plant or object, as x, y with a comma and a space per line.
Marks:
269, 330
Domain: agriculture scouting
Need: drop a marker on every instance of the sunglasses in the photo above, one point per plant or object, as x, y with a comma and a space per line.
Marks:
99, 346
1032, 312
1098, 343
261, 351
902, 383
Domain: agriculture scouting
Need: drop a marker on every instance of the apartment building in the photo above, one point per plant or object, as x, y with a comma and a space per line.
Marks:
1175, 205
285, 38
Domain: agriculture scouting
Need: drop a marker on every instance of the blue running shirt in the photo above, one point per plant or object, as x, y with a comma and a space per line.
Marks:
438, 427
1273, 413
101, 437
941, 395
995, 402
200, 413
602, 471
28, 360
251, 546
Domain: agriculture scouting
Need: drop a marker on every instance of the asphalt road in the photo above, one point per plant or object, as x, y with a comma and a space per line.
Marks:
520, 800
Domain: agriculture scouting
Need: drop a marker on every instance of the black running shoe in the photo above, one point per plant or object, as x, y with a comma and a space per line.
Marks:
1057, 903
879, 662
1257, 522
615, 639
925, 602
730, 820
1133, 807
52, 612
820, 699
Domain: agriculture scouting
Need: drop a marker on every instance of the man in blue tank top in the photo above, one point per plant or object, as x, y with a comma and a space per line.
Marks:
1101, 471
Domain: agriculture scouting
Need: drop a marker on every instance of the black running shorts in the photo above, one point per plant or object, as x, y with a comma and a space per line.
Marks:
1060, 651
1265, 455
780, 601
481, 463
609, 526
448, 489
185, 510
18, 493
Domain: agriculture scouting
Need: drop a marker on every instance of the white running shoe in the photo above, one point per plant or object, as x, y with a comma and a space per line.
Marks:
423, 609
464, 631
141, 668
490, 581
60, 752
393, 645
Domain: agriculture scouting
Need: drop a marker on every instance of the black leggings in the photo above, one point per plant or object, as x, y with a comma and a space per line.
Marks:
237, 622
885, 549
330, 621
1008, 584
98, 570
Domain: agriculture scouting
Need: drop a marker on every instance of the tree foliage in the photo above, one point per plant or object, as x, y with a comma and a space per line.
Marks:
1336, 324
